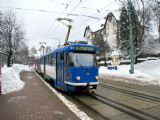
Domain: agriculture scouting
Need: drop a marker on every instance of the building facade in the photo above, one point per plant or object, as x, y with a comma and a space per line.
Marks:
108, 30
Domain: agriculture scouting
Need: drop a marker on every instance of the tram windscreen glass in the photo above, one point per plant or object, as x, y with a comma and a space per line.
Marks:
81, 59
84, 48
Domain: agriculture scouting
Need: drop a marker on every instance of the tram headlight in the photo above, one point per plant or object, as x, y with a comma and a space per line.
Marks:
97, 77
78, 78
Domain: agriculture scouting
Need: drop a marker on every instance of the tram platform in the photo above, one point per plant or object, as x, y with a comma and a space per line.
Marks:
34, 102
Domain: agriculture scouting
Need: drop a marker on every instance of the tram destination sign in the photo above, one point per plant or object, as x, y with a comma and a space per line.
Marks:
85, 48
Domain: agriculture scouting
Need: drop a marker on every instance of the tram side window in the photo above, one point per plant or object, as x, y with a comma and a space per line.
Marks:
52, 60
42, 60
49, 59
46, 60
69, 60
61, 56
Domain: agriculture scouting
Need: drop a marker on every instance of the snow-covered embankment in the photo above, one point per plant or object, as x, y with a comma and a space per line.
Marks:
10, 78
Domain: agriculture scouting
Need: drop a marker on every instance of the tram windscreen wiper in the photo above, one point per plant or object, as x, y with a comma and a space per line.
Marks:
77, 61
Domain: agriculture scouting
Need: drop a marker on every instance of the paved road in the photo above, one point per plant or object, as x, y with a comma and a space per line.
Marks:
34, 102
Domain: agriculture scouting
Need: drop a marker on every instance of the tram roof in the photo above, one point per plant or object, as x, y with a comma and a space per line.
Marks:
68, 47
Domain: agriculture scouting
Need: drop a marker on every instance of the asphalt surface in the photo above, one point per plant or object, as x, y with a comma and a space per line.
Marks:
34, 102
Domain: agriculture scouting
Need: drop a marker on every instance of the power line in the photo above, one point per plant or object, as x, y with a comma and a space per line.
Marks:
75, 7
94, 22
33, 10
58, 23
69, 12
83, 7
90, 18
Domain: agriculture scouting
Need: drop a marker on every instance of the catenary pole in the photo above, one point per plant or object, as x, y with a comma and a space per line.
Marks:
131, 39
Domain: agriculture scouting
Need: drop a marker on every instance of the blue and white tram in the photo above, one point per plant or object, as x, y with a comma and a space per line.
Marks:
71, 67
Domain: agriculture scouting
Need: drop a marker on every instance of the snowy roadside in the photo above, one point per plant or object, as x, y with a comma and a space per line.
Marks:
146, 73
12, 82
10, 78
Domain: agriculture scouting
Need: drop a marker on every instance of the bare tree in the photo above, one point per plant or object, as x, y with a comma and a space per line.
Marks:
48, 49
22, 53
156, 16
12, 34
33, 51
0, 31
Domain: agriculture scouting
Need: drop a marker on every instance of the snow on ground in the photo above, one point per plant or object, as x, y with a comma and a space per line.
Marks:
10, 78
148, 71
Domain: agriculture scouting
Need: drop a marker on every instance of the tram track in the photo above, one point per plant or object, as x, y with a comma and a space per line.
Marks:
135, 113
106, 104
138, 94
139, 114
127, 110
94, 111
131, 87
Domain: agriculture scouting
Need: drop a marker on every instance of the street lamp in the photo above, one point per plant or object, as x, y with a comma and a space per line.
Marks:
42, 46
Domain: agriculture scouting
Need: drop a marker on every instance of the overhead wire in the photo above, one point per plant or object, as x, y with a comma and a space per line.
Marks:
35, 10
93, 23
69, 12
66, 7
82, 23
83, 7
75, 7
63, 12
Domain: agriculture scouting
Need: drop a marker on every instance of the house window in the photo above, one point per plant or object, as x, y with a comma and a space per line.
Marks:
114, 23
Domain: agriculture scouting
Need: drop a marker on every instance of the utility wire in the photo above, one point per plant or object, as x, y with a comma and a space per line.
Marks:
92, 24
75, 7
49, 29
83, 7
68, 13
82, 23
33, 10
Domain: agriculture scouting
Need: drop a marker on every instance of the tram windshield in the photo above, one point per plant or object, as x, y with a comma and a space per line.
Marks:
81, 59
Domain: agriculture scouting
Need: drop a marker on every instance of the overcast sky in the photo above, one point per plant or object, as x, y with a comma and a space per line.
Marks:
43, 27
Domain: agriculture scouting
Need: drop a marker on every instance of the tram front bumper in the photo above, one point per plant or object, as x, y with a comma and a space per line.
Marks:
81, 84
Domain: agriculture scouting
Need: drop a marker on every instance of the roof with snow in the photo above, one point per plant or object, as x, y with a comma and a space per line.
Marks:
100, 24
115, 53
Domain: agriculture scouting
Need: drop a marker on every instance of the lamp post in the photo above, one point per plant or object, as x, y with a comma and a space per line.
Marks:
42, 46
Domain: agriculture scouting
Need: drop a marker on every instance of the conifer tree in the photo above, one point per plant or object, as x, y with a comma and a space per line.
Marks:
99, 42
136, 28
124, 32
